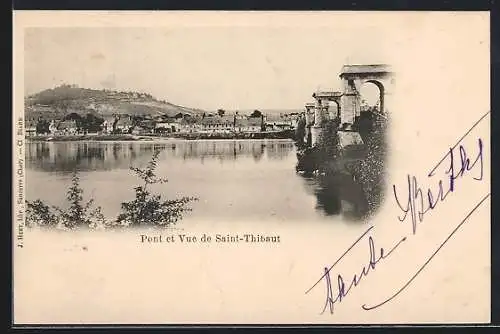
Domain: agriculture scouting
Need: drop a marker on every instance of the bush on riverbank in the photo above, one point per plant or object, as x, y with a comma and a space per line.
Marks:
77, 214
370, 172
324, 162
146, 209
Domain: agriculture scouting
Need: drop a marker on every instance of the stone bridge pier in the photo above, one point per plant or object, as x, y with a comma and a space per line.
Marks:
353, 77
319, 120
309, 116
348, 101
321, 112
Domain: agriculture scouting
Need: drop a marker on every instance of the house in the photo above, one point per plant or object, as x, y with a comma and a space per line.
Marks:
248, 124
124, 125
279, 122
167, 126
217, 123
148, 125
53, 127
67, 128
108, 126
160, 118
140, 130
190, 124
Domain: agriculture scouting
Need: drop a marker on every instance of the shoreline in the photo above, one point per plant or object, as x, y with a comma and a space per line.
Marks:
284, 135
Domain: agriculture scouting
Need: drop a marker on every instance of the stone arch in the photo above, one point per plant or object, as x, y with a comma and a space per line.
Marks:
337, 110
322, 104
353, 77
381, 91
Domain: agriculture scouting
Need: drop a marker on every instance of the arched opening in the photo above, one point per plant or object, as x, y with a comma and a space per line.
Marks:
333, 109
372, 96
371, 108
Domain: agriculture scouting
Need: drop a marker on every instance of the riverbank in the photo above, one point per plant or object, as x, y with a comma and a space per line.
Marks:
359, 181
86, 138
286, 134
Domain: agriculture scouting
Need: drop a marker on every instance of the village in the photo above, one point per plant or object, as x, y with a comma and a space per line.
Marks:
220, 122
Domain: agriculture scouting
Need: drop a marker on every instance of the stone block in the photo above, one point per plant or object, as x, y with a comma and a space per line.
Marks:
351, 145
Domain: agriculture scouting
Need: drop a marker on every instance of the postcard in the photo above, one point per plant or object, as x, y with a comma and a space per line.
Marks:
251, 167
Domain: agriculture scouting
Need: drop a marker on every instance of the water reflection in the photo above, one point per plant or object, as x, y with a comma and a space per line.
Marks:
88, 156
261, 182
337, 194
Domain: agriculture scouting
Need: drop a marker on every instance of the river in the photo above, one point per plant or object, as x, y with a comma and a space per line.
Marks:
235, 180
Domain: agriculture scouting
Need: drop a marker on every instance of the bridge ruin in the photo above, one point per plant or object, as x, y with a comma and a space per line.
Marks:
348, 100
344, 144
353, 78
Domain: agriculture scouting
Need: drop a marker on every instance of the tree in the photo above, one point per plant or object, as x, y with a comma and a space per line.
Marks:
189, 119
256, 113
300, 132
91, 123
73, 117
42, 126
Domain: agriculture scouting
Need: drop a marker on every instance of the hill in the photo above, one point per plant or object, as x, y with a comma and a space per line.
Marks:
66, 99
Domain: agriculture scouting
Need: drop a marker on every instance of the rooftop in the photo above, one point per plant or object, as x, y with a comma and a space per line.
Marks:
327, 94
361, 69
124, 122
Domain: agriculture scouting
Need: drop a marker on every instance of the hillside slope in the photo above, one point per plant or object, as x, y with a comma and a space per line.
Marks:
66, 99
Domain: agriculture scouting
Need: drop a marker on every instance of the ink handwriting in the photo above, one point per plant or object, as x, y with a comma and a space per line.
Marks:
415, 204
342, 289
365, 307
419, 201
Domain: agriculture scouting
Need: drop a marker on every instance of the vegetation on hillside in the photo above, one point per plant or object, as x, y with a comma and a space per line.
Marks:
65, 99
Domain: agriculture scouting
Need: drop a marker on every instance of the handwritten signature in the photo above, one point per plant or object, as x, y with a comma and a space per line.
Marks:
418, 203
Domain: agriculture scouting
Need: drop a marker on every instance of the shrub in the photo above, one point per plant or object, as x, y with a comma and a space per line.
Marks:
148, 208
76, 215
145, 209
39, 214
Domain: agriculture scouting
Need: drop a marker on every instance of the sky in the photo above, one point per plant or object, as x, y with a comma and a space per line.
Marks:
231, 67
237, 62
